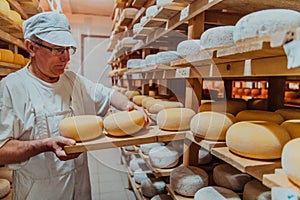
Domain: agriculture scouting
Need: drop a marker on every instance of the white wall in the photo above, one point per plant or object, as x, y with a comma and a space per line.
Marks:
95, 55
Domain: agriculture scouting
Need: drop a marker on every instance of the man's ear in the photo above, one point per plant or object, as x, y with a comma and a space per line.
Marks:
30, 47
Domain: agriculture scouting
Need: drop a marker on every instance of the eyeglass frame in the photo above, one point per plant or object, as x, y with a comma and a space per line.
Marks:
56, 51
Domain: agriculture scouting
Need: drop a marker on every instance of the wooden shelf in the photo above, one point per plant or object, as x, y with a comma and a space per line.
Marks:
256, 168
177, 196
166, 136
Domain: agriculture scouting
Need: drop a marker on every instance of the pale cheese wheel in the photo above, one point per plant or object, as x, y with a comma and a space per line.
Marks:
139, 175
15, 16
82, 127
131, 93
143, 20
173, 119
138, 99
293, 127
160, 105
4, 7
165, 57
135, 163
145, 148
4, 187
124, 123
257, 139
188, 47
257, 104
150, 60
188, 180
289, 113
204, 156
145, 100
290, 160
18, 59
217, 37
264, 23
151, 11
129, 148
150, 102
160, 3
163, 157
255, 190
135, 63
216, 193
211, 125
259, 115
7, 55
26, 60
232, 106
229, 177
6, 173
136, 28
152, 187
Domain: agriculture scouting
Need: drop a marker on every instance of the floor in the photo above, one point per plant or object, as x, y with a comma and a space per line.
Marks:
108, 176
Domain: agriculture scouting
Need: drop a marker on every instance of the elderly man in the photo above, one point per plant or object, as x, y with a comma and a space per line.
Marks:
34, 100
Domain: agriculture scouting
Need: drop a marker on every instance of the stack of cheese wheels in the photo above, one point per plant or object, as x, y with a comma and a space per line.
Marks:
232, 106
175, 119
216, 193
259, 115
152, 186
293, 127
6, 55
211, 125
217, 37
4, 7
124, 123
160, 105
229, 177
257, 139
82, 127
163, 157
4, 187
188, 180
289, 113
290, 160
138, 99
131, 93
188, 47
256, 190
262, 24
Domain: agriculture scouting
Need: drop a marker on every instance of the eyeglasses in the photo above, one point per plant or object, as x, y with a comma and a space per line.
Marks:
57, 51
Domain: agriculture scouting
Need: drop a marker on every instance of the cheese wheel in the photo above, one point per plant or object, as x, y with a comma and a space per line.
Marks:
255, 190
139, 175
135, 63
124, 123
204, 156
163, 157
217, 37
173, 119
151, 11
18, 59
259, 115
160, 105
162, 197
15, 16
129, 148
290, 160
150, 60
4, 7
150, 102
264, 23
165, 57
152, 187
188, 47
229, 177
145, 148
160, 3
138, 99
293, 127
136, 28
82, 127
188, 180
211, 125
257, 139
257, 104
145, 100
6, 173
4, 187
232, 106
7, 55
216, 193
289, 113
135, 163
130, 94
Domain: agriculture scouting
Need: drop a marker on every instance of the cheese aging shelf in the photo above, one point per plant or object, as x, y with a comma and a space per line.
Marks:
262, 63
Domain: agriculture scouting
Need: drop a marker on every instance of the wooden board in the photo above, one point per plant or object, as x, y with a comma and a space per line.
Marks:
256, 168
279, 180
166, 136
206, 144
177, 196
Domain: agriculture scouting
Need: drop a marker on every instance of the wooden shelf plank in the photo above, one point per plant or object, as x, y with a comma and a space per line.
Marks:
206, 144
177, 196
256, 168
166, 136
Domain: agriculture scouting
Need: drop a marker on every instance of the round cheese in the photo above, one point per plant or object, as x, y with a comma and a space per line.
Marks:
151, 187
139, 175
149, 103
232, 106
136, 28
145, 148
211, 125
293, 127
4, 7
135, 163
150, 60
160, 3
135, 63
289, 113
4, 187
188, 180
129, 148
165, 57
124, 123
6, 173
15, 16
259, 115
6, 55
204, 156
130, 94
290, 160
151, 11
163, 157
18, 59
82, 127
145, 100
257, 139
255, 190
257, 104
160, 105
229, 177
264, 23
216, 193
217, 37
173, 119
138, 99
188, 47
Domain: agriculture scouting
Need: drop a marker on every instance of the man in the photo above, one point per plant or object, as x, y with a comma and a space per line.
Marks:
34, 100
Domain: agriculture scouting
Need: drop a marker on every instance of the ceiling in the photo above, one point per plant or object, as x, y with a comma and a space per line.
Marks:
83, 7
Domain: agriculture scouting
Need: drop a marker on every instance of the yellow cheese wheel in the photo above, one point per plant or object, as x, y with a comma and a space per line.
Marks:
7, 55
232, 106
259, 115
4, 187
173, 119
150, 103
124, 123
211, 125
18, 59
26, 60
138, 99
130, 94
152, 93
290, 160
15, 16
293, 127
289, 113
82, 127
160, 105
145, 100
257, 104
4, 7
257, 139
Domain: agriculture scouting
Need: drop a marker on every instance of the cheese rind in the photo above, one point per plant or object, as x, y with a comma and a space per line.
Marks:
188, 47
255, 190
232, 106
163, 157
4, 187
289, 113
259, 115
216, 193
293, 127
82, 127
160, 105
